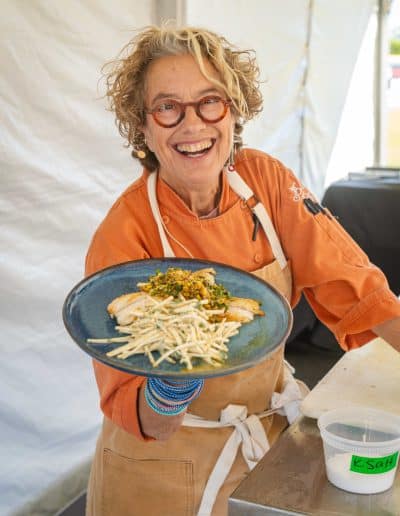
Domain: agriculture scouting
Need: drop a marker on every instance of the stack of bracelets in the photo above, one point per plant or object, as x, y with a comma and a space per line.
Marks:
171, 397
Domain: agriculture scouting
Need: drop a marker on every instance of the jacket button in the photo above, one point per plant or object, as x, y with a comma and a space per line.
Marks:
257, 257
165, 219
243, 204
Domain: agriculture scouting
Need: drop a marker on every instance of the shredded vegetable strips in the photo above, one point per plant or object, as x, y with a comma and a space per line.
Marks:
161, 323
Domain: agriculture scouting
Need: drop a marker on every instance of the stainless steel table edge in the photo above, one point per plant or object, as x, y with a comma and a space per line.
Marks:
243, 508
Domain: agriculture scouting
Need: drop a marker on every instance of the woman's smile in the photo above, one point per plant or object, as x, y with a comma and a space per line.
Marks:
195, 149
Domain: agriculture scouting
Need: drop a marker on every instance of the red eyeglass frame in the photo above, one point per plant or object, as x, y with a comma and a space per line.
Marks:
196, 106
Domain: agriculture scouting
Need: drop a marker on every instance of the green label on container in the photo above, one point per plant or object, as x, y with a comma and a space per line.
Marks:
373, 465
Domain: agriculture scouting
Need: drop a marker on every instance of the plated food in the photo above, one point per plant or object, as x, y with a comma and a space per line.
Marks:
85, 316
179, 316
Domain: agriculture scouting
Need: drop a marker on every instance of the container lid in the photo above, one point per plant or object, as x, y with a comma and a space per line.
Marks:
361, 430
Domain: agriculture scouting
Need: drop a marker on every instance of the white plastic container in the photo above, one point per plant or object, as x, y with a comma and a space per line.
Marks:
361, 448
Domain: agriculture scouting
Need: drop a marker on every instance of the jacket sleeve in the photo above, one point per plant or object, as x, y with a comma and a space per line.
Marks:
118, 390
345, 290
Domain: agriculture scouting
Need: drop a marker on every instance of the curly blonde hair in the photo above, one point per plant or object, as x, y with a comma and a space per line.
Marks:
125, 78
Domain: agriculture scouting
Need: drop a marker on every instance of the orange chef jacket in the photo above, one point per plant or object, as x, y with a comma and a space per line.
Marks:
346, 291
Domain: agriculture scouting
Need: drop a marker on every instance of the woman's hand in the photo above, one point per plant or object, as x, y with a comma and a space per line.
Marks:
389, 331
155, 425
162, 405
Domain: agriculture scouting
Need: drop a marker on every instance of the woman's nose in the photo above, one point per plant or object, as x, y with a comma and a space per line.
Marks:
192, 119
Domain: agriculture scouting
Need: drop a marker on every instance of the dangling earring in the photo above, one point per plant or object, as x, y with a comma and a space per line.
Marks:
141, 154
231, 162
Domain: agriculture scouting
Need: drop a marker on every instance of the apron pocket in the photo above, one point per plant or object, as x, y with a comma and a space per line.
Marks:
137, 487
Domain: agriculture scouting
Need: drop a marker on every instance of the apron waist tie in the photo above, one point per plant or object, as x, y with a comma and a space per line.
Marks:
248, 431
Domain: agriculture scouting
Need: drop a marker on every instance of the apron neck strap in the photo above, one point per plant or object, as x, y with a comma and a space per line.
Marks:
152, 193
242, 189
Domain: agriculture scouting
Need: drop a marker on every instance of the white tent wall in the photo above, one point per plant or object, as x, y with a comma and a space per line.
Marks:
337, 30
307, 50
277, 31
63, 163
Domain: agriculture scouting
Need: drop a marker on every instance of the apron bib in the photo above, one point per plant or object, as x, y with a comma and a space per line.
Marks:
197, 469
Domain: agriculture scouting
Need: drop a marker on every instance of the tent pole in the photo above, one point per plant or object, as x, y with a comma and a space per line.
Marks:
310, 11
380, 85
164, 10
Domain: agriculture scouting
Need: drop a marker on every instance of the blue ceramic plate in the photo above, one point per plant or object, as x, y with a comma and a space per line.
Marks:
85, 316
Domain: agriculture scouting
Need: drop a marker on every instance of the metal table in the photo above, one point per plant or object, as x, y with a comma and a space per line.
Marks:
291, 480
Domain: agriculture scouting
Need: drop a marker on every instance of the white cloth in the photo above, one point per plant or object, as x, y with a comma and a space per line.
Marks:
287, 403
62, 166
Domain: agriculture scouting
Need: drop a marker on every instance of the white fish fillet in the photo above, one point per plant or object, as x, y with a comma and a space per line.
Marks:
123, 307
241, 309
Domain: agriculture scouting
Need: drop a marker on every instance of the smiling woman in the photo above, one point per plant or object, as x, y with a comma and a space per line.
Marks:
181, 97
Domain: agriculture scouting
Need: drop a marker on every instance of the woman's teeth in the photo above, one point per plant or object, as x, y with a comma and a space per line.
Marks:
194, 149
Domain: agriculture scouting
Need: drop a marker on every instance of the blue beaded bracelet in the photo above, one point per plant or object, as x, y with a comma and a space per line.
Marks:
163, 410
174, 392
171, 397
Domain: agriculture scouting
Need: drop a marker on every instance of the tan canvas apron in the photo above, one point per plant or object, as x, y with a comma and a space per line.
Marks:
196, 470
